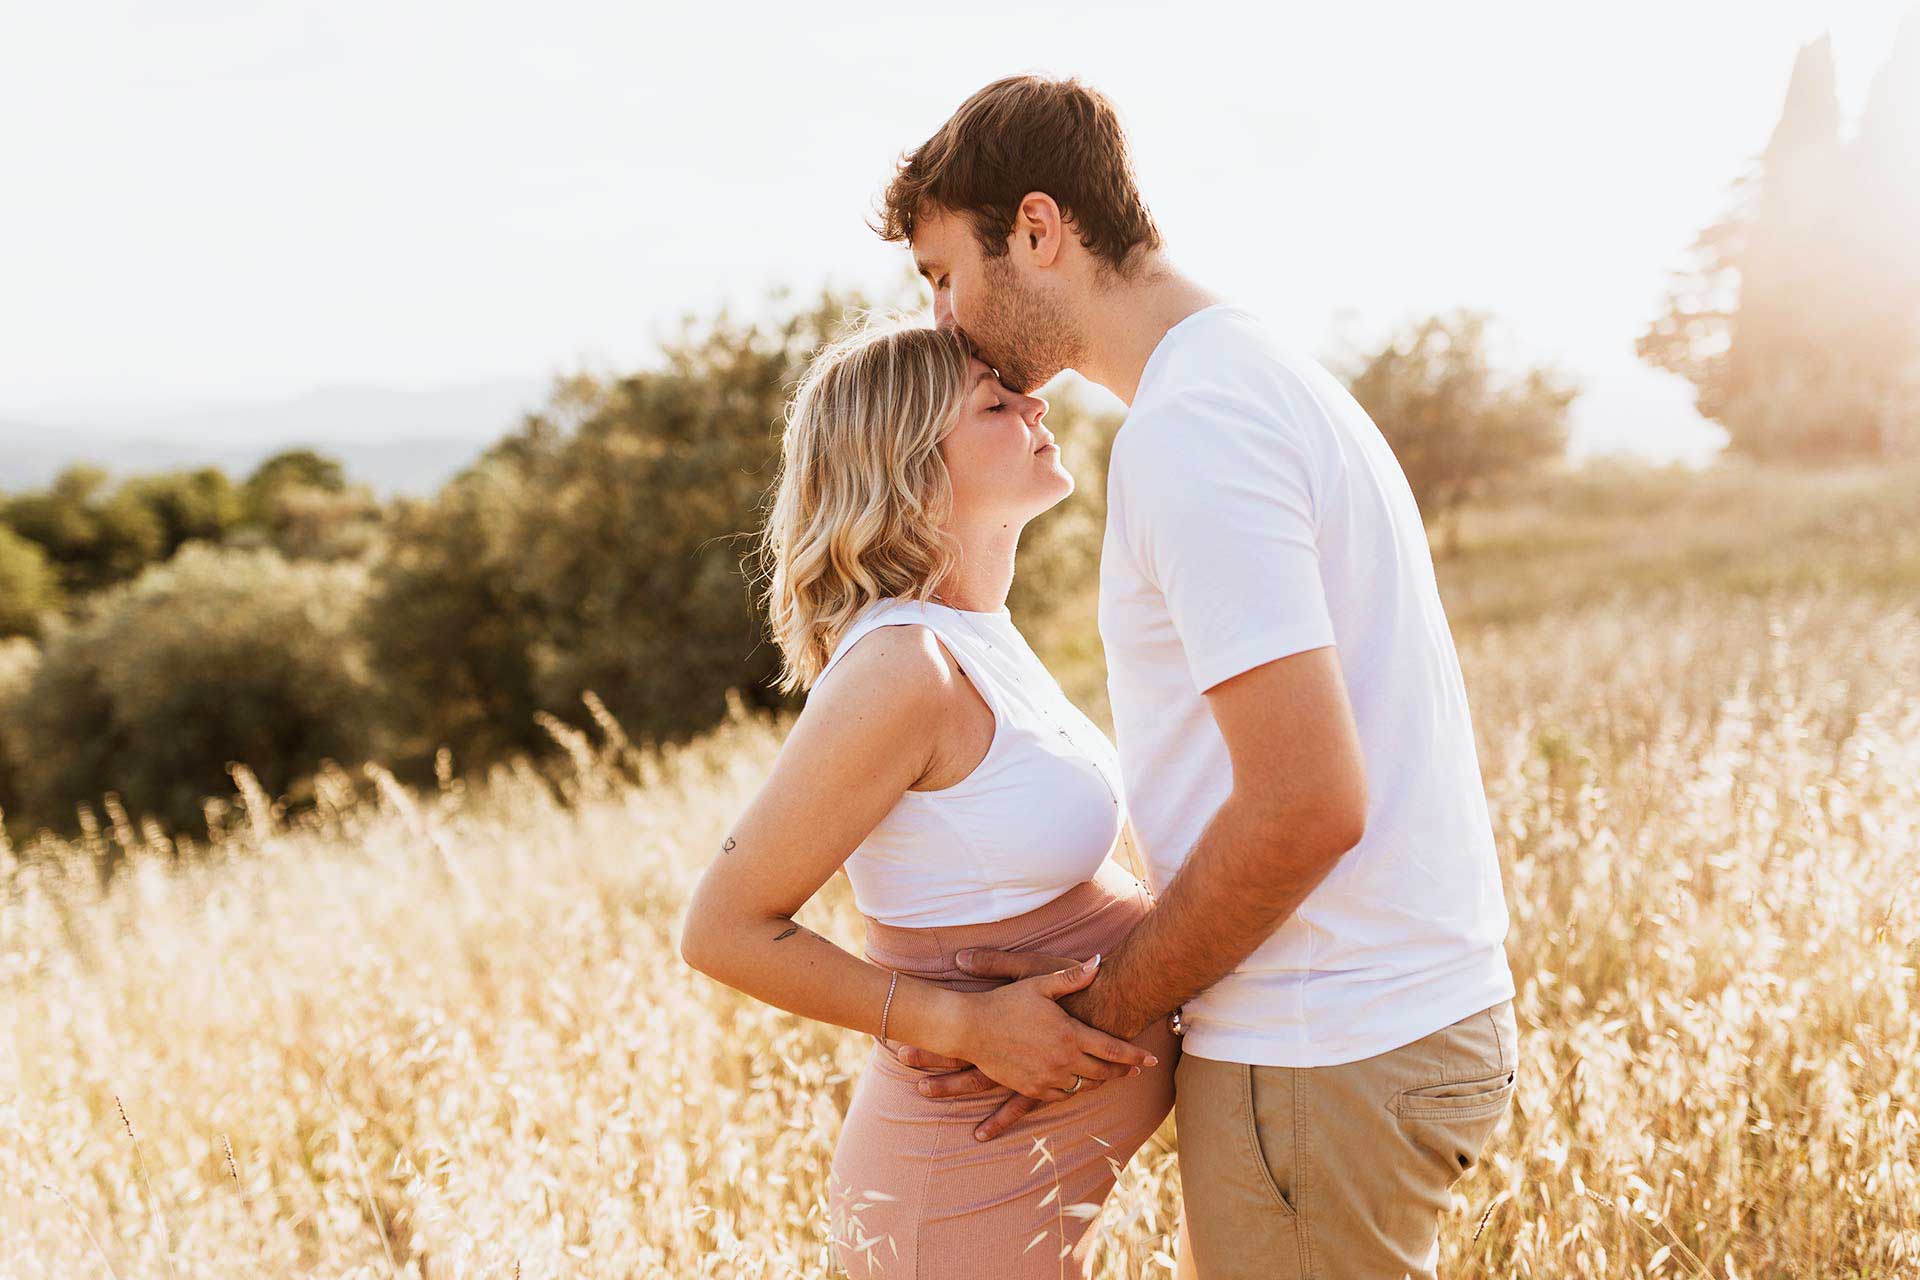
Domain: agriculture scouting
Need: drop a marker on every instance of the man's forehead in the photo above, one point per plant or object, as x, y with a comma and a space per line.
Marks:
932, 238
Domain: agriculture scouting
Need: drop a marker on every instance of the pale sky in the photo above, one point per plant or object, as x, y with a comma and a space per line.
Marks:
212, 201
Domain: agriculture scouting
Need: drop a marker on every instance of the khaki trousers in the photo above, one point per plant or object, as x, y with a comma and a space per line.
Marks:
1335, 1172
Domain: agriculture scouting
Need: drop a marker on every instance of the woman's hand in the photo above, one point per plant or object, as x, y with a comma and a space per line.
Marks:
1019, 1037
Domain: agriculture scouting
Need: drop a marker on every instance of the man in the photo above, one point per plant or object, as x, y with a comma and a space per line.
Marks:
1293, 727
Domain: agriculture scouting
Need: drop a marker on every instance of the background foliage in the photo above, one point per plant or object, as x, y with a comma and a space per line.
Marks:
1797, 314
216, 656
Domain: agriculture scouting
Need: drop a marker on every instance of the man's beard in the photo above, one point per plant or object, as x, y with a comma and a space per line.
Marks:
1026, 335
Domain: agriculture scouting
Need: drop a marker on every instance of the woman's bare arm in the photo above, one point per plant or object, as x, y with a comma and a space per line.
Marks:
866, 736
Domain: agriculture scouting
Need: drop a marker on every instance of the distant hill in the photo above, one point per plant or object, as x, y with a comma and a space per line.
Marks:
411, 441
396, 440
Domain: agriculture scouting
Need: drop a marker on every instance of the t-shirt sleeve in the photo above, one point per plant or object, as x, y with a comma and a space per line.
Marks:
1220, 512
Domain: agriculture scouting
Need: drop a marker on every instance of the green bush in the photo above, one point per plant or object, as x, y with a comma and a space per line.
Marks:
200, 505
453, 623
94, 538
304, 522
291, 469
18, 660
216, 656
29, 587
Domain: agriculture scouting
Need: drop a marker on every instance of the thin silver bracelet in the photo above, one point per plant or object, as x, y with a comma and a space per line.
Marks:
888, 1006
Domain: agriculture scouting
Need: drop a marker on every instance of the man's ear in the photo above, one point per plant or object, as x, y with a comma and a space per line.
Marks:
1039, 229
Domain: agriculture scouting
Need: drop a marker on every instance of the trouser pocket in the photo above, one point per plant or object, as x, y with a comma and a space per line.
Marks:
1450, 1123
1450, 1119
1237, 1161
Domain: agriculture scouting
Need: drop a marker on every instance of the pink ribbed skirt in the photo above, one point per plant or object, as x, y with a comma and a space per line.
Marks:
914, 1196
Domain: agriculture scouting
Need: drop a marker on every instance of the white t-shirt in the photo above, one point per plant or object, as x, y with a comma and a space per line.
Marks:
1255, 511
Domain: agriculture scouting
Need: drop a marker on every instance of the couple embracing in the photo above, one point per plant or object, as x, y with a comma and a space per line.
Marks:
1312, 977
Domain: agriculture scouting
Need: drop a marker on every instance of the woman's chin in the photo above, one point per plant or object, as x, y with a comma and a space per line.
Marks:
1059, 488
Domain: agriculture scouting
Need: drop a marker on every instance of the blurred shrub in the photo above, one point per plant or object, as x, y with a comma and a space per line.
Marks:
453, 622
19, 659
200, 504
297, 502
93, 538
215, 657
291, 469
29, 587
1459, 426
305, 522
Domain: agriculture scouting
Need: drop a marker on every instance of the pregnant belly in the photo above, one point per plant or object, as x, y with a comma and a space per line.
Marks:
913, 1193
1092, 917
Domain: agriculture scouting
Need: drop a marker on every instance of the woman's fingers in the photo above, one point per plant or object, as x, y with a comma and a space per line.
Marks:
1093, 1073
1094, 1070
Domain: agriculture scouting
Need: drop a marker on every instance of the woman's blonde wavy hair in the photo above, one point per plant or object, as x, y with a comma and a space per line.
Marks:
863, 489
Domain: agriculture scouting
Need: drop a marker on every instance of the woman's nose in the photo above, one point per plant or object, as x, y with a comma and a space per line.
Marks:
1035, 409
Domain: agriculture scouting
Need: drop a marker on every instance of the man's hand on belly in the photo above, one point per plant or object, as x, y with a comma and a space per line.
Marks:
1089, 1004
1085, 1005
1001, 964
1022, 1039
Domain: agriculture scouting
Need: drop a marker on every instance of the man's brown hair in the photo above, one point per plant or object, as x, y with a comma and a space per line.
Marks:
1022, 134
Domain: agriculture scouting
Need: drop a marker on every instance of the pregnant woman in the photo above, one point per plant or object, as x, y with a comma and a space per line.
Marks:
970, 803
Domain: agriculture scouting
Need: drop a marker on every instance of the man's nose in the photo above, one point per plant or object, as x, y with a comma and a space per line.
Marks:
942, 311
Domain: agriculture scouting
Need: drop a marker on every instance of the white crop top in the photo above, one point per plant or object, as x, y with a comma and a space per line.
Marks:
1037, 815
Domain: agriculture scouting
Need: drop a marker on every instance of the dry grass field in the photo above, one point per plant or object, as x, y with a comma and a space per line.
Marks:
448, 1034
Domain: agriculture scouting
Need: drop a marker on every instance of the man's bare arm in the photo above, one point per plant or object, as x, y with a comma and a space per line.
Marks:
1299, 802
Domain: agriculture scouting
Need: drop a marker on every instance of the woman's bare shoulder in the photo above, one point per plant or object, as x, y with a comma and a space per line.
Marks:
895, 673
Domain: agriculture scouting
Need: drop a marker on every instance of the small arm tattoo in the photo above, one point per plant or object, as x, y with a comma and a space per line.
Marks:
728, 846
788, 932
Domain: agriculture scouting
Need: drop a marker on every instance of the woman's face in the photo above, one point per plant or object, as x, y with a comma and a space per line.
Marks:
1001, 460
